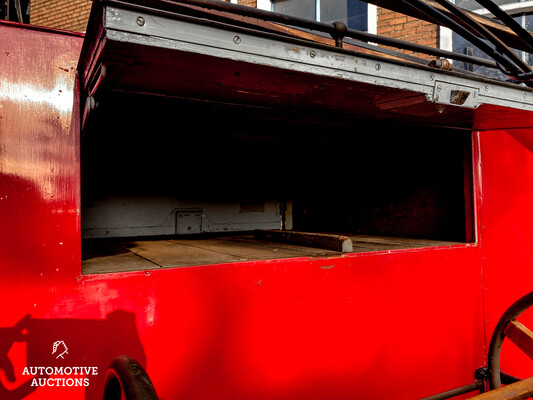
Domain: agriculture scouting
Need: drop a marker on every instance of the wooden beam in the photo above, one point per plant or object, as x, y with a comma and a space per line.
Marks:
515, 391
318, 240
521, 336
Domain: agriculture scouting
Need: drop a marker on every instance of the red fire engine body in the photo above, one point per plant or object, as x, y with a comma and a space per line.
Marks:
406, 321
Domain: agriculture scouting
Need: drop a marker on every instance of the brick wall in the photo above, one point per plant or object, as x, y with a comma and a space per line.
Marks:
400, 26
63, 14
73, 15
249, 3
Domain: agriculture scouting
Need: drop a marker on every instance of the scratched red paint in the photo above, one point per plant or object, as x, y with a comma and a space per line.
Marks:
403, 324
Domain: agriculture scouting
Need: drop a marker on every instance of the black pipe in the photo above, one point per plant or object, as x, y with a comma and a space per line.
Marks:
478, 385
465, 33
364, 36
520, 31
482, 31
368, 37
508, 379
173, 7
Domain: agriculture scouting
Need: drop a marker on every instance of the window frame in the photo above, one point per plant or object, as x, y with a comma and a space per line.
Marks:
372, 25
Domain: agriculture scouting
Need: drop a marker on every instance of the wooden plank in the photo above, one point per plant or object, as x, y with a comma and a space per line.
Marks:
250, 250
366, 243
396, 240
117, 256
170, 253
370, 247
521, 336
516, 391
250, 243
318, 240
120, 262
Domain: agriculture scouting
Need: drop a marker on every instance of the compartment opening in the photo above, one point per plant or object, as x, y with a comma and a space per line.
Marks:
170, 182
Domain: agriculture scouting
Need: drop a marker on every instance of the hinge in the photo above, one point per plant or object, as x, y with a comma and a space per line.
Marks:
458, 95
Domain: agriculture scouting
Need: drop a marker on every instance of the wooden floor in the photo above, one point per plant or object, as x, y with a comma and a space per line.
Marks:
103, 256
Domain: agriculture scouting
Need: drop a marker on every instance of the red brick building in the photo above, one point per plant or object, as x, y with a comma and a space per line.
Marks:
409, 29
63, 14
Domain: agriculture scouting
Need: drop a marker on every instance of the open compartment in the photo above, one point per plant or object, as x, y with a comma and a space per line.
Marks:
196, 150
166, 180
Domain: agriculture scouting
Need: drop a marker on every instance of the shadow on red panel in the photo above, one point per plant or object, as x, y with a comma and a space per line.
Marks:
63, 356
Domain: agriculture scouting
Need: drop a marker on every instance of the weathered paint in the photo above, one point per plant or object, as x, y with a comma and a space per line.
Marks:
396, 324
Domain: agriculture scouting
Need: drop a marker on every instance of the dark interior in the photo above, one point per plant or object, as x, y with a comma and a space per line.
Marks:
343, 174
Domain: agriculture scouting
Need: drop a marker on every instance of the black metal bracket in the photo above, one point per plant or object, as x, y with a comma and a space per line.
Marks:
481, 374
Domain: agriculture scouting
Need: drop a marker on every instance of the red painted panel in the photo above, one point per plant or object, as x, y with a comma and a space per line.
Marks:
39, 146
506, 220
334, 328
39, 192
